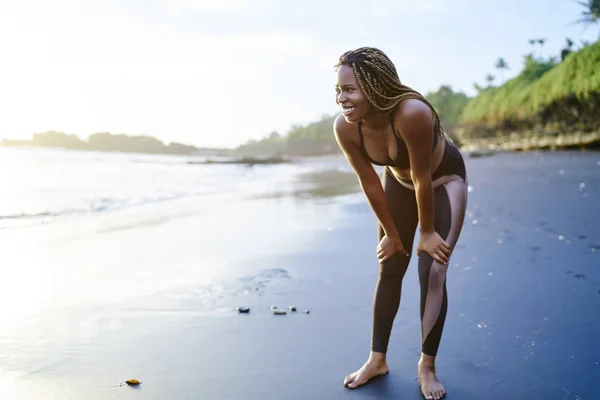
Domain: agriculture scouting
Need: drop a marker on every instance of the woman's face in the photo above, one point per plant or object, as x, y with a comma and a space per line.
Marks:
349, 97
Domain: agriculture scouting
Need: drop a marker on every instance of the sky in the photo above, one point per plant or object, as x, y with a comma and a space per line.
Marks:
216, 73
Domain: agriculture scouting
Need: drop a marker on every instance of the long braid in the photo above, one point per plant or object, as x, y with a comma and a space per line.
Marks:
378, 80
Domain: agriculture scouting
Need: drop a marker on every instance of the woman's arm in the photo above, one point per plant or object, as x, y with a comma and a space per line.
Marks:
367, 177
416, 125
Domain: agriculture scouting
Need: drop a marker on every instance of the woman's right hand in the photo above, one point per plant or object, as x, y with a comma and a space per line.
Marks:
433, 244
388, 246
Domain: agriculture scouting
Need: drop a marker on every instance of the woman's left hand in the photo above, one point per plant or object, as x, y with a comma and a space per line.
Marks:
433, 244
388, 246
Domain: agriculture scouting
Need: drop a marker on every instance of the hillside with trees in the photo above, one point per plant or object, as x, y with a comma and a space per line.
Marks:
106, 142
547, 98
553, 102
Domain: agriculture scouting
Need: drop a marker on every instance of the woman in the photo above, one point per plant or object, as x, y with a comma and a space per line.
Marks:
384, 122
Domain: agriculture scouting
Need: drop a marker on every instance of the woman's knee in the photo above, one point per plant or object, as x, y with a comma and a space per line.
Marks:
395, 267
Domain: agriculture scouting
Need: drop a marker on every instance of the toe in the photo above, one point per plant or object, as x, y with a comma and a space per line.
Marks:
349, 379
357, 382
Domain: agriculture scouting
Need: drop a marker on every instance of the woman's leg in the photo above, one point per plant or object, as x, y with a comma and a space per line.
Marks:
450, 207
403, 206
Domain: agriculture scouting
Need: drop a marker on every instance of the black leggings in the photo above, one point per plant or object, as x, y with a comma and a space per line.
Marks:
450, 196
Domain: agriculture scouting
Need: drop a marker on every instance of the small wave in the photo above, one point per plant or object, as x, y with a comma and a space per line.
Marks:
45, 214
95, 206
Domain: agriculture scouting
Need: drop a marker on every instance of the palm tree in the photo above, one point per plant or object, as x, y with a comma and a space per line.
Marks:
540, 41
490, 78
501, 65
591, 14
566, 50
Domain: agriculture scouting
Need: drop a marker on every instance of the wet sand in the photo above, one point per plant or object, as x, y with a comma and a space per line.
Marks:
524, 298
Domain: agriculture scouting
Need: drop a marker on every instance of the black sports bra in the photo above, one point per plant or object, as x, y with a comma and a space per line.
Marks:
402, 160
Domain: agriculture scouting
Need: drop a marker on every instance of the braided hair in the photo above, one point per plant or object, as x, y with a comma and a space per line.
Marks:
378, 80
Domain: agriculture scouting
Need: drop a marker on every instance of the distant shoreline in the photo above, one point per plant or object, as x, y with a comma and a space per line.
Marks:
476, 147
578, 140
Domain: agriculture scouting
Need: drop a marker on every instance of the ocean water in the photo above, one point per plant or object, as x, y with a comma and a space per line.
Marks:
74, 225
46, 185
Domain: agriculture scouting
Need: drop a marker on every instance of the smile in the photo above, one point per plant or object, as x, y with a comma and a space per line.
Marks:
347, 110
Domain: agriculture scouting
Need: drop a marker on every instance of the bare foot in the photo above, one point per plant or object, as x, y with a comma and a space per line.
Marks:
431, 388
376, 365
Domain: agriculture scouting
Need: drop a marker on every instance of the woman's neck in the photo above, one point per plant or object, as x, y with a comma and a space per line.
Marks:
376, 120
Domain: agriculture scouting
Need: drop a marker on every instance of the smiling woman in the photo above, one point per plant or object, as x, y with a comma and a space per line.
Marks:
386, 123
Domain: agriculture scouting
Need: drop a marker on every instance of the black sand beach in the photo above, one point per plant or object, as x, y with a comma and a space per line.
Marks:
523, 319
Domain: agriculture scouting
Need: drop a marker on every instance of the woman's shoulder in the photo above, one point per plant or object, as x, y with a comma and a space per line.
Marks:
411, 112
344, 129
412, 108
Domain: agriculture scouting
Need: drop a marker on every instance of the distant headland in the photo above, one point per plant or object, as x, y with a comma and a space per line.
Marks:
110, 142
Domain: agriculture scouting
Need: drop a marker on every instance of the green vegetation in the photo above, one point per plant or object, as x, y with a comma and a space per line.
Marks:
449, 106
314, 138
591, 13
317, 137
548, 97
552, 102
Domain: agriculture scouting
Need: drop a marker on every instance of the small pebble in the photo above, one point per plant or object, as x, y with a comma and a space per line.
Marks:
273, 307
581, 186
474, 222
469, 188
306, 312
292, 308
561, 171
561, 237
243, 310
279, 312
